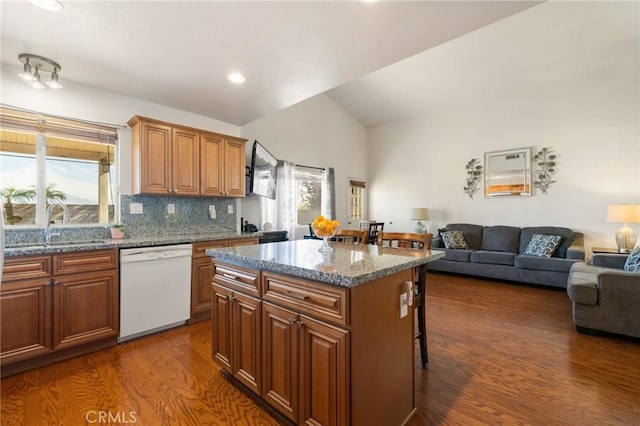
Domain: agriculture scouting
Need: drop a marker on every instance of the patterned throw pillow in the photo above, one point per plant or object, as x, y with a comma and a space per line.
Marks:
633, 261
543, 245
454, 240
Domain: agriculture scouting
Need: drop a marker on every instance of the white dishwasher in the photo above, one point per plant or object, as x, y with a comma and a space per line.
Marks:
155, 289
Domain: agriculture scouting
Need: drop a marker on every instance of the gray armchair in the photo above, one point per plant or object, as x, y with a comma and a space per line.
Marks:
605, 298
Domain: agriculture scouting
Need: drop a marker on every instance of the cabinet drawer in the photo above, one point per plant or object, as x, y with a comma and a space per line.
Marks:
86, 261
199, 248
243, 242
26, 268
318, 300
239, 278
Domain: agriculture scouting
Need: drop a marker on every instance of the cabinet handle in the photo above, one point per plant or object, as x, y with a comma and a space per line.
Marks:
300, 323
231, 277
292, 321
48, 283
55, 282
296, 295
231, 297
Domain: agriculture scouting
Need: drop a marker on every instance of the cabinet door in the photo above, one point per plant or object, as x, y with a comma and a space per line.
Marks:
246, 331
201, 276
154, 158
323, 373
212, 164
85, 308
221, 315
25, 312
185, 162
234, 168
281, 363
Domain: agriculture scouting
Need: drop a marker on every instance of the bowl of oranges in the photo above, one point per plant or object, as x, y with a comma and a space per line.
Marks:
325, 228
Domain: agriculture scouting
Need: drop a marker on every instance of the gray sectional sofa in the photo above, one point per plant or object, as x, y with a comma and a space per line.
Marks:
498, 252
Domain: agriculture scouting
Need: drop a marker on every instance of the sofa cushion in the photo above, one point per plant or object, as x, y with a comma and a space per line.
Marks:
457, 255
543, 245
632, 264
554, 264
565, 233
494, 257
582, 285
472, 233
500, 238
454, 240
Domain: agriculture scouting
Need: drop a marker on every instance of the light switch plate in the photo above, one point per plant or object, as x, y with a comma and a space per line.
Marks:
404, 311
230, 209
135, 208
171, 208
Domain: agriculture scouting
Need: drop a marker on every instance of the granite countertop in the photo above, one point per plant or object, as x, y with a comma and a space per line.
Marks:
28, 249
348, 265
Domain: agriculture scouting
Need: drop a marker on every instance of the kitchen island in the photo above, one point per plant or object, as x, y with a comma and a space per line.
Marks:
322, 339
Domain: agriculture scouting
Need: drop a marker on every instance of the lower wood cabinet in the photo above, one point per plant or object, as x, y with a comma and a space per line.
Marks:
202, 273
236, 342
26, 327
71, 308
293, 361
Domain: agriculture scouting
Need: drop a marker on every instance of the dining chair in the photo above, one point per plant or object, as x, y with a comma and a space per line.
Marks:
415, 242
374, 229
352, 236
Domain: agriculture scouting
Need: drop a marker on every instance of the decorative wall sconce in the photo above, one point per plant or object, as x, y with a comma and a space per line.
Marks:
40, 64
474, 173
546, 164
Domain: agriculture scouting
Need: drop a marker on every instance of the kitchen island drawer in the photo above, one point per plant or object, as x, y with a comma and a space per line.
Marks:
318, 300
240, 278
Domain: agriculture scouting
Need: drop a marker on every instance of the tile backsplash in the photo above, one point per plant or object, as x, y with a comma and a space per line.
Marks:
191, 215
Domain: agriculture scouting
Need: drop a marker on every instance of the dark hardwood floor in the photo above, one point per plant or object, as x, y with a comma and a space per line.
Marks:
499, 353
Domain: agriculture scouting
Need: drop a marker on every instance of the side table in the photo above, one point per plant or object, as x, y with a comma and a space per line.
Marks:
605, 250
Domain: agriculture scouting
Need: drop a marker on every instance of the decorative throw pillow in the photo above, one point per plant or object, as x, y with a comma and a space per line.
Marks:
543, 245
633, 261
454, 240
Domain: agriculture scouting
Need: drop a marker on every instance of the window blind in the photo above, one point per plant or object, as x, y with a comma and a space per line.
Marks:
33, 122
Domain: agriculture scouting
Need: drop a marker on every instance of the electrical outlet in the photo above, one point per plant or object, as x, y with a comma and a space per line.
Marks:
171, 208
212, 211
230, 209
135, 208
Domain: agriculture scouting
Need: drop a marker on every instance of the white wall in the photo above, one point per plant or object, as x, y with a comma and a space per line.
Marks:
89, 103
316, 132
588, 113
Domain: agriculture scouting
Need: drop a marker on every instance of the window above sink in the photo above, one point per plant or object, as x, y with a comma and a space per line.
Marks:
45, 159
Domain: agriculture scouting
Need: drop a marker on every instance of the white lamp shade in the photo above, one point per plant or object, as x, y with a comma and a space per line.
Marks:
625, 213
420, 213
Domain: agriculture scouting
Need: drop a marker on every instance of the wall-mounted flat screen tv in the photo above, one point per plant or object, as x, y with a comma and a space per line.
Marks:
262, 172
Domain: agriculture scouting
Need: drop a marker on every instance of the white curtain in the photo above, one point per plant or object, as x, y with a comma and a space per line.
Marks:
284, 209
328, 200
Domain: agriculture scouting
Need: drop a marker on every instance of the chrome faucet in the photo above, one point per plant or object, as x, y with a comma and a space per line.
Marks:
65, 219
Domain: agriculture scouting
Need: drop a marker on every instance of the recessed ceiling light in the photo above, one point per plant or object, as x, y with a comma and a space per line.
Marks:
236, 77
52, 5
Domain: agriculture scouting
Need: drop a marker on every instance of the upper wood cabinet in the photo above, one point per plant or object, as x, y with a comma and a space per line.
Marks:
171, 159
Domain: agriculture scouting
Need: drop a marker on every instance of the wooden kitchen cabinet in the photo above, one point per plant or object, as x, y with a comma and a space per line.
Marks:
303, 359
306, 359
165, 158
25, 309
57, 306
179, 160
222, 165
237, 333
202, 274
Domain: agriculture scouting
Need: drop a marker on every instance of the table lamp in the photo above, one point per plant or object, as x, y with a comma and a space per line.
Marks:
625, 237
420, 213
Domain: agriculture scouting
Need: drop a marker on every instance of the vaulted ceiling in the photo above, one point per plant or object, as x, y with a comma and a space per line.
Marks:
178, 53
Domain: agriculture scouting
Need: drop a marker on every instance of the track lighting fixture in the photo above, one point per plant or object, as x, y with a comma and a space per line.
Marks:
40, 64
